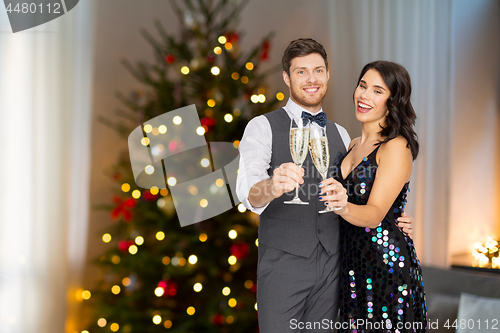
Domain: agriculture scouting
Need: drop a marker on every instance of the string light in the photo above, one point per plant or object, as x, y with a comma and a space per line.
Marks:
136, 194
244, 79
165, 261
154, 190
177, 120
236, 112
162, 129
232, 302
86, 295
241, 208
261, 98
149, 169
197, 287
157, 320
249, 66
171, 181
168, 324
203, 238
235, 76
182, 262
211, 103
254, 99
145, 141
115, 259
217, 50
126, 282
248, 284
102, 322
159, 291
193, 259
226, 291
232, 234
280, 96
164, 192
148, 128
229, 319
200, 130
228, 117
228, 46
125, 187
191, 310
203, 203
193, 189
114, 327
222, 39
215, 70
139, 240
185, 70
232, 260
219, 182
205, 162
133, 249
257, 242
106, 238
160, 235
116, 289
255, 306
236, 143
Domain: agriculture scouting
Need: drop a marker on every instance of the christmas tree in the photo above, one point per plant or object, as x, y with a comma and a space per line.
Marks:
157, 275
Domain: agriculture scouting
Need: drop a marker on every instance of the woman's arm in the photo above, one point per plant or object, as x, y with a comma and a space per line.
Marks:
394, 161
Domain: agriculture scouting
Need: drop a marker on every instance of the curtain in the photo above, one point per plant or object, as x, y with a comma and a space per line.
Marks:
417, 35
45, 109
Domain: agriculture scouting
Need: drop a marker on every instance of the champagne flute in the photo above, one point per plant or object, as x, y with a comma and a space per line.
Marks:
321, 156
299, 139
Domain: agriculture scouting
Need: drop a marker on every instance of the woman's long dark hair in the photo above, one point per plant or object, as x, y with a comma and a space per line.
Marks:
401, 117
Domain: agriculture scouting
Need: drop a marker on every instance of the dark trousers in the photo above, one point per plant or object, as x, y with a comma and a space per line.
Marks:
297, 294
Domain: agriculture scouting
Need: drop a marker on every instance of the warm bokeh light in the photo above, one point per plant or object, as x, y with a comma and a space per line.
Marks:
133, 249
211, 103
232, 302
244, 79
203, 238
203, 203
101, 322
197, 287
257, 242
236, 143
261, 98
235, 76
162, 129
125, 187
228, 46
148, 128
229, 319
228, 117
222, 39
182, 262
280, 96
205, 162
160, 235
114, 327
191, 310
193, 259
249, 66
168, 324
86, 295
248, 284
115, 259
136, 194
139, 240
219, 182
177, 120
116, 289
255, 306
154, 190
254, 99
159, 291
171, 181
241, 208
106, 238
232, 234
149, 169
232, 260
226, 291
157, 320
126, 282
185, 70
236, 112
165, 260
145, 141
217, 50
200, 130
215, 70
164, 192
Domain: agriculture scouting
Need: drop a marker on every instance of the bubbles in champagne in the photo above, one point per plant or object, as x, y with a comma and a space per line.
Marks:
320, 154
299, 137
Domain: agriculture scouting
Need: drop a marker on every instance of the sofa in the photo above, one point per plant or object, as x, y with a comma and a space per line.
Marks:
471, 297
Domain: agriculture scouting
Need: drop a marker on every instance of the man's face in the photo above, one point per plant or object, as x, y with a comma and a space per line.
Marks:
308, 81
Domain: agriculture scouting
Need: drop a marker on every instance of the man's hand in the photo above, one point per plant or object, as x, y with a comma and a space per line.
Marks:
333, 194
405, 223
284, 179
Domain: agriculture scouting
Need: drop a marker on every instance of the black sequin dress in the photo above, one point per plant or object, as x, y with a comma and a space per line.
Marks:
381, 287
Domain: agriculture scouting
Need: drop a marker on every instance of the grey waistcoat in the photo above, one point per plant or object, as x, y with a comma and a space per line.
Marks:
297, 229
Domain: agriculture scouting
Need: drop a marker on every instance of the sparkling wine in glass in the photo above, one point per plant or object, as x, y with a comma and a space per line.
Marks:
299, 139
321, 156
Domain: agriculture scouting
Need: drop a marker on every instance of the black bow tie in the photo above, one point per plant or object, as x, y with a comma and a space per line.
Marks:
319, 119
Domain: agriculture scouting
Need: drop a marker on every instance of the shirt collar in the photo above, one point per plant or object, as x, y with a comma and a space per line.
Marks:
296, 110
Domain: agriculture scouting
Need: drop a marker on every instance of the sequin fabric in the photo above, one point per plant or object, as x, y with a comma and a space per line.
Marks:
380, 280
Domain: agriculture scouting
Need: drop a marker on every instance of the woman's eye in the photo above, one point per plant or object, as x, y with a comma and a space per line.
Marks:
378, 92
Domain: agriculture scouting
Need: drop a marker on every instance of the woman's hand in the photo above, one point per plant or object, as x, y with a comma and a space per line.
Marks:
405, 223
333, 194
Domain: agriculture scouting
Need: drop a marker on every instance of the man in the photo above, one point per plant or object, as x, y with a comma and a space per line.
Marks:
298, 266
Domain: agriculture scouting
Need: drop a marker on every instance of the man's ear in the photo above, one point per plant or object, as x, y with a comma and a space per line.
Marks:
286, 78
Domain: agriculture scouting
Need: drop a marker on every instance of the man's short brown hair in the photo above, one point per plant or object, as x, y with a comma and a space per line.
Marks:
299, 48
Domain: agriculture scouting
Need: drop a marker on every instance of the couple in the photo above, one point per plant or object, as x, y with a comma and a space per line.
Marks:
356, 258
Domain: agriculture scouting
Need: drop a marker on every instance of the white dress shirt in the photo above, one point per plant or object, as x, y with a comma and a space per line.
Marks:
256, 148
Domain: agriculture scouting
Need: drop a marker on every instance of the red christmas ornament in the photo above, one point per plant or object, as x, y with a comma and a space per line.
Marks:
218, 319
240, 250
147, 195
170, 59
233, 37
123, 208
124, 245
169, 288
264, 54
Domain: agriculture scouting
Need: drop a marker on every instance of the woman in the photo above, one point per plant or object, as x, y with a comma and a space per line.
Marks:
381, 279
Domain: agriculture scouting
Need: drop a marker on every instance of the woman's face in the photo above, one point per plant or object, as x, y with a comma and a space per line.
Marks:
370, 98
